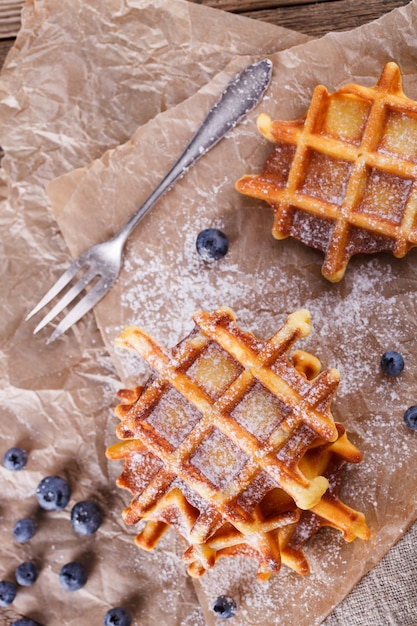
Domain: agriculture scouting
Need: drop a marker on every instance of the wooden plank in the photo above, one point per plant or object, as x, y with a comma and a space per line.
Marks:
240, 6
10, 11
319, 18
5, 45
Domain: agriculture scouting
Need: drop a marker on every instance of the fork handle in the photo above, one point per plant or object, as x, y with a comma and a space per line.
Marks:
239, 97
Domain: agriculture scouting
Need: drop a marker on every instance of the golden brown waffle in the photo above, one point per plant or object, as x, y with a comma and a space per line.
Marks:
343, 178
222, 443
288, 540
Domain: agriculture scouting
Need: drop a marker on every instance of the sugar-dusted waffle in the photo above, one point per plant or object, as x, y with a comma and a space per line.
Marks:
231, 439
343, 178
289, 539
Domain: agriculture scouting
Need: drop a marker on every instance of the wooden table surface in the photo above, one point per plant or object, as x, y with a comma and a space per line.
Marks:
312, 18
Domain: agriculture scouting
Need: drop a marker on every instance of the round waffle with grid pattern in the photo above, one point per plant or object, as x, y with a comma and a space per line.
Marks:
343, 179
230, 442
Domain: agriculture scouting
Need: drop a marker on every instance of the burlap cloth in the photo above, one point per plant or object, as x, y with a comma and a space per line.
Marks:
80, 81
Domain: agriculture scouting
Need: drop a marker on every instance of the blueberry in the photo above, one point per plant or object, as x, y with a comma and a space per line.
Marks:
23, 530
25, 621
86, 517
410, 417
117, 617
7, 592
53, 493
212, 244
15, 459
26, 574
73, 576
392, 363
224, 607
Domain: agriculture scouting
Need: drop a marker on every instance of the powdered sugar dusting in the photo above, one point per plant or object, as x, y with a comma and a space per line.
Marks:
352, 325
353, 322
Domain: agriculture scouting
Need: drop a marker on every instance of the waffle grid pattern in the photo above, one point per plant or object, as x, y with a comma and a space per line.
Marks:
217, 460
364, 141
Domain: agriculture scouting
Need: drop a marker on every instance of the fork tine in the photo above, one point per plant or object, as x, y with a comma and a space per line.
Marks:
66, 299
81, 308
62, 282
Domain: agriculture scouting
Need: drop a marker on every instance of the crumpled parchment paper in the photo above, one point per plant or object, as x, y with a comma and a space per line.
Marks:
372, 310
81, 78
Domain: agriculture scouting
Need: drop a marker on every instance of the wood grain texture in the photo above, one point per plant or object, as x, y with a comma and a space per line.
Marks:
240, 6
5, 45
319, 18
10, 11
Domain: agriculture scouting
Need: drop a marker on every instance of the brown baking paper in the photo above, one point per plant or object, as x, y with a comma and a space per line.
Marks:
163, 282
81, 78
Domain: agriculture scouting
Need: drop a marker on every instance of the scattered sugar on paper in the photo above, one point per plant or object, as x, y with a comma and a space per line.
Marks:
164, 293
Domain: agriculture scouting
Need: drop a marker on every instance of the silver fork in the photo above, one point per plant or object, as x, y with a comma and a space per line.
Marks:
104, 260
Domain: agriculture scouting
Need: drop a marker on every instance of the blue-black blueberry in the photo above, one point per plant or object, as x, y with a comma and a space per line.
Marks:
53, 493
86, 517
15, 459
73, 576
392, 363
410, 417
7, 592
224, 607
212, 244
117, 617
26, 574
25, 621
23, 530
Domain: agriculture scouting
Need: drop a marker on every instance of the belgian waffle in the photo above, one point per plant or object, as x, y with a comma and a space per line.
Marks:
343, 178
221, 443
288, 540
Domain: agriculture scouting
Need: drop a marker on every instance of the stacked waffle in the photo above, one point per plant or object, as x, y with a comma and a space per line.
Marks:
343, 178
232, 443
